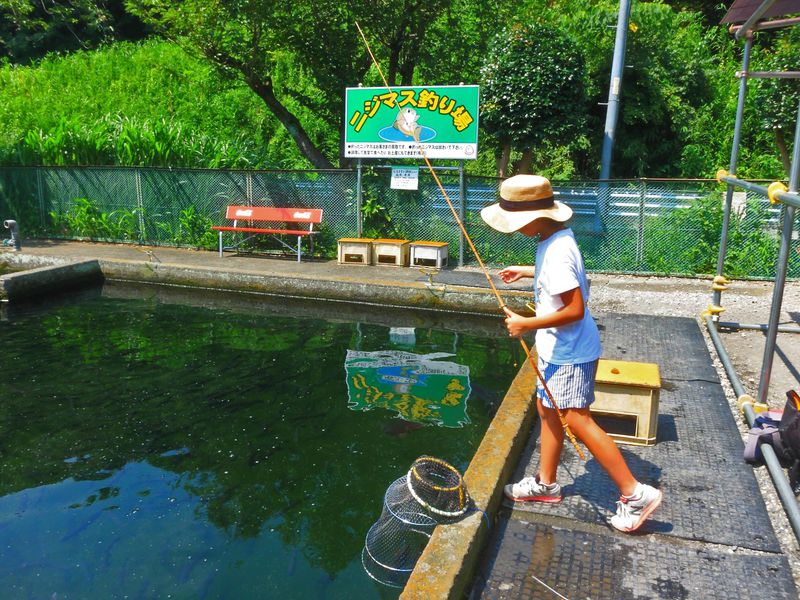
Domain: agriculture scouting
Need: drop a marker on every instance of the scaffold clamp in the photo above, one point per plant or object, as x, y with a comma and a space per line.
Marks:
746, 399
775, 187
713, 310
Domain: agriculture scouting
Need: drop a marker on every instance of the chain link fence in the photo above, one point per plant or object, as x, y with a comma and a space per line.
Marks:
648, 226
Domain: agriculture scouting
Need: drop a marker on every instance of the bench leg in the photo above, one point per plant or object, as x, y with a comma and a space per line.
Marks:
220, 244
299, 249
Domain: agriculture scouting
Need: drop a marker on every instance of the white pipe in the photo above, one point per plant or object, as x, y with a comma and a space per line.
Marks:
12, 226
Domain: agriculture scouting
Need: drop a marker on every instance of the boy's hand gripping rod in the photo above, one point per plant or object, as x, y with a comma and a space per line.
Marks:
500, 302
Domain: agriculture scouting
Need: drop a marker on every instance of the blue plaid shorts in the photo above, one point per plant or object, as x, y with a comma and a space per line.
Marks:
572, 386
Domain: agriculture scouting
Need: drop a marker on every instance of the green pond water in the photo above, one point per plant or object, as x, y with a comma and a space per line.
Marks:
160, 444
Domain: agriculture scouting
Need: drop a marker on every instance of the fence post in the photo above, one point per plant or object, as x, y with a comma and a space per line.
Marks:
40, 194
602, 206
640, 231
359, 193
139, 204
462, 209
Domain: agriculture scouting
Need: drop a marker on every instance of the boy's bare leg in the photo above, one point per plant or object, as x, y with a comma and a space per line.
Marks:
551, 443
602, 447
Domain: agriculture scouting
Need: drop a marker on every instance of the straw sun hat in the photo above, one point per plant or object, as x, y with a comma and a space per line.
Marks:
523, 199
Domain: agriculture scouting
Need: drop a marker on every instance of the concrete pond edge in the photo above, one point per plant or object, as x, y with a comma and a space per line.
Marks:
447, 566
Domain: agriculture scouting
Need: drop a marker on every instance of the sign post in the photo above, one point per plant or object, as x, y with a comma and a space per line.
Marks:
435, 122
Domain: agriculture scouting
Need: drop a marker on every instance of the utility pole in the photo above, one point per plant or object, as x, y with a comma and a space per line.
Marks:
612, 110
615, 87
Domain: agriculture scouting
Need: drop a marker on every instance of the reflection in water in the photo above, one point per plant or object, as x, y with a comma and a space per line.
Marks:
420, 388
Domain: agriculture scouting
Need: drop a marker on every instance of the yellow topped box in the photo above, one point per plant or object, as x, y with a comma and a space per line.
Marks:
626, 400
390, 252
429, 254
357, 251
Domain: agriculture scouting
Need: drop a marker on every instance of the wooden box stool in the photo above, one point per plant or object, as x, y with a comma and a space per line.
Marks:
390, 252
429, 254
355, 251
626, 401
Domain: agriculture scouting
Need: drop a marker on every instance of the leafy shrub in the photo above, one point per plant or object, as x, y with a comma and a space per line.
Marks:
84, 219
613, 251
377, 221
192, 229
687, 241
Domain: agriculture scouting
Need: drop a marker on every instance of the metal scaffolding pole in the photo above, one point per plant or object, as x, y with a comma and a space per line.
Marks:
769, 74
782, 487
737, 136
788, 198
774, 24
780, 276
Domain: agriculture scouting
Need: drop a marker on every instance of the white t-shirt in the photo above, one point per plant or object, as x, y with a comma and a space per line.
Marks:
559, 269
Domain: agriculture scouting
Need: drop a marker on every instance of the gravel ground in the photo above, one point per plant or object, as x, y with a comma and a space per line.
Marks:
744, 302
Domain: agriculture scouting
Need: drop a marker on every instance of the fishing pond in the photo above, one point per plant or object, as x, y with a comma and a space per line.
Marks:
161, 443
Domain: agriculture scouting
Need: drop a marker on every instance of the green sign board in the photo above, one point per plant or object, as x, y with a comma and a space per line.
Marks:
405, 122
420, 388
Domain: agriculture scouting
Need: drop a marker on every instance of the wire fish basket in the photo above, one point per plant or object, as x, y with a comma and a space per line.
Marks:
396, 540
438, 487
431, 493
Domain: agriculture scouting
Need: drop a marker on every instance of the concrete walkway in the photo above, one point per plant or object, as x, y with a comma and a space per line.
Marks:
712, 538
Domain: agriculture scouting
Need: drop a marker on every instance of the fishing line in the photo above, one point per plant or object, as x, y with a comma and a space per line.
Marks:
485, 271
539, 581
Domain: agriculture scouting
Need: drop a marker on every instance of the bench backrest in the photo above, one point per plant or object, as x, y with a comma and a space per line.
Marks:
271, 213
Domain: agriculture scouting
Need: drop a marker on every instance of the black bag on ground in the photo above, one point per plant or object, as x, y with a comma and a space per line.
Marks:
790, 426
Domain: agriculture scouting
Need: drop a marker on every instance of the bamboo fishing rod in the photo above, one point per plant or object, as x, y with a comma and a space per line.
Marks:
485, 271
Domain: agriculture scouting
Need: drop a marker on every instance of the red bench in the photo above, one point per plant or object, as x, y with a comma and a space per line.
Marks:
271, 221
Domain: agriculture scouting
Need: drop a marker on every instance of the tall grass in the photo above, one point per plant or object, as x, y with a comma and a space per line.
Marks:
135, 104
116, 140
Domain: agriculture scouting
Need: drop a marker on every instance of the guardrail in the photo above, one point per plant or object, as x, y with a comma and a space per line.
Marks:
584, 201
633, 200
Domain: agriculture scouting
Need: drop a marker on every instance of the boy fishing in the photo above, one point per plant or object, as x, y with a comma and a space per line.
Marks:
568, 347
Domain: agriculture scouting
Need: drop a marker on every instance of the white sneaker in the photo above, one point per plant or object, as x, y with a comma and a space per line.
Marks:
530, 490
634, 510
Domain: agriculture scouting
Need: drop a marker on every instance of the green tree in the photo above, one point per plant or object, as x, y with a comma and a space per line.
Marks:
457, 42
776, 100
670, 73
712, 10
244, 39
533, 91
30, 29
